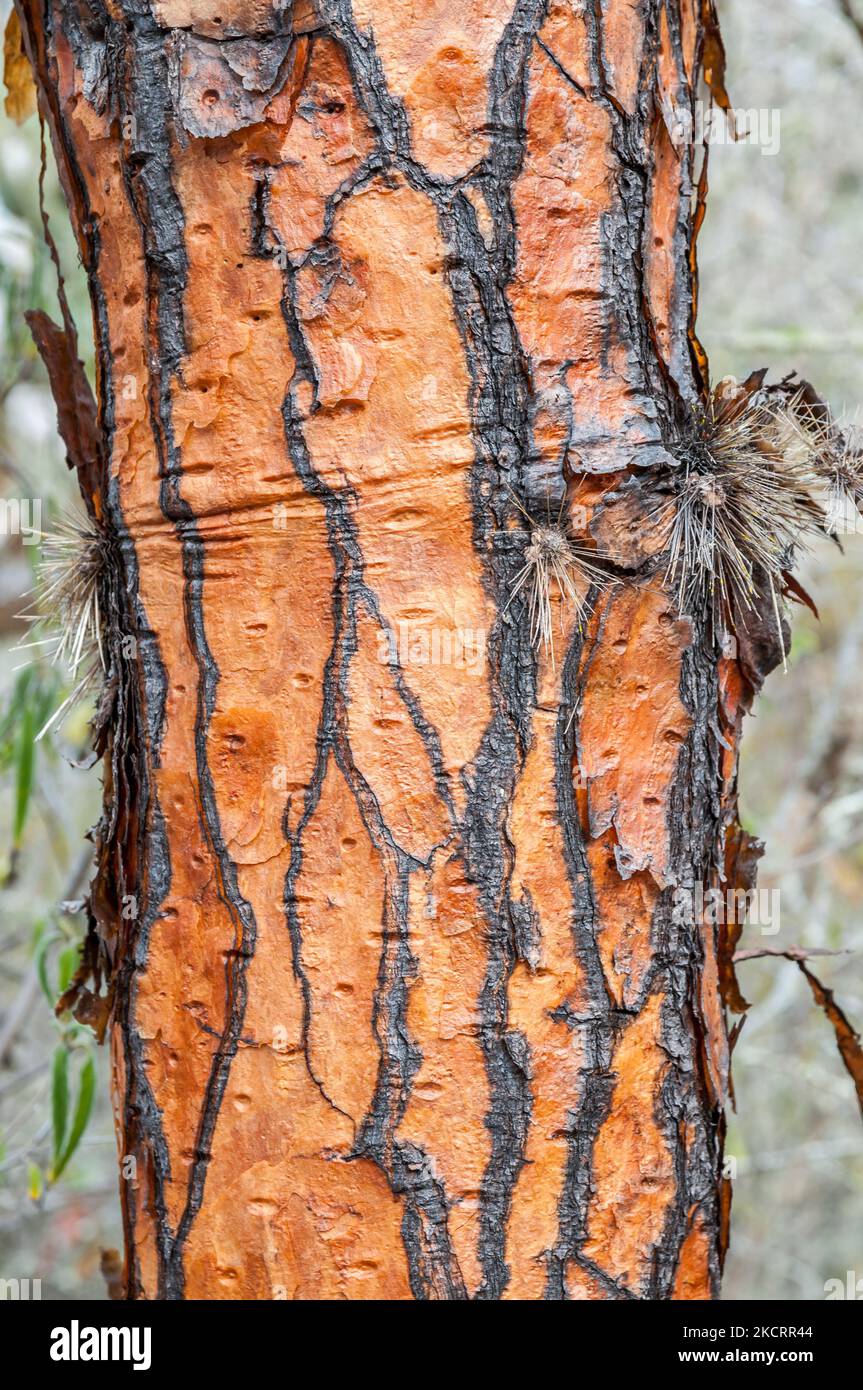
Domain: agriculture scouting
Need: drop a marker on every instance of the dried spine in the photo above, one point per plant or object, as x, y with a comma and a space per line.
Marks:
833, 451
551, 557
68, 607
741, 507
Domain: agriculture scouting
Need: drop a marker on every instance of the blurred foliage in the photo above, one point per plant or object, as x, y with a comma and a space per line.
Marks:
34, 695
58, 1202
782, 286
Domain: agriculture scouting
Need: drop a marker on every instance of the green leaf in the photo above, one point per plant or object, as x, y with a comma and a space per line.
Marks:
67, 965
11, 718
45, 944
46, 701
35, 1182
25, 761
83, 1108
59, 1100
15, 704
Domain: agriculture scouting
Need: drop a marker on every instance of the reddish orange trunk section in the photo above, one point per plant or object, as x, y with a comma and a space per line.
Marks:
404, 1008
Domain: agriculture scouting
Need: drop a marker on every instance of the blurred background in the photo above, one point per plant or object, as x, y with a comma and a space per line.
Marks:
781, 286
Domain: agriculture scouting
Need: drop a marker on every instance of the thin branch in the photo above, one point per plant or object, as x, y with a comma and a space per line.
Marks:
848, 10
795, 953
847, 1037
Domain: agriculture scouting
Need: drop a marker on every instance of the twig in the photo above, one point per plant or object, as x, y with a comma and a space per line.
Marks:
847, 1037
848, 10
22, 1077
795, 953
20, 1010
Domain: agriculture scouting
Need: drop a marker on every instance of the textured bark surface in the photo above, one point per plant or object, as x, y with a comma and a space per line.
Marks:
404, 1009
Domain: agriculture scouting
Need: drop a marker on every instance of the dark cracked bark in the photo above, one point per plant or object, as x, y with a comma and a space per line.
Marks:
405, 1009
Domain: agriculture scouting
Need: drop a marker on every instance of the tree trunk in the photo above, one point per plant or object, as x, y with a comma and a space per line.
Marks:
400, 1004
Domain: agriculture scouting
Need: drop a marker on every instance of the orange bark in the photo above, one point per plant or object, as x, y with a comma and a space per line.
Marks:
405, 1010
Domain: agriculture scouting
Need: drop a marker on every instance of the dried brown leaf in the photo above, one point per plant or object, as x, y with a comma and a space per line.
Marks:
847, 1037
113, 1272
795, 590
742, 853
20, 99
77, 418
714, 58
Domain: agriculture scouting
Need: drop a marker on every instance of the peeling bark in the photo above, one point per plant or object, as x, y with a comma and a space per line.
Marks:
405, 1010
